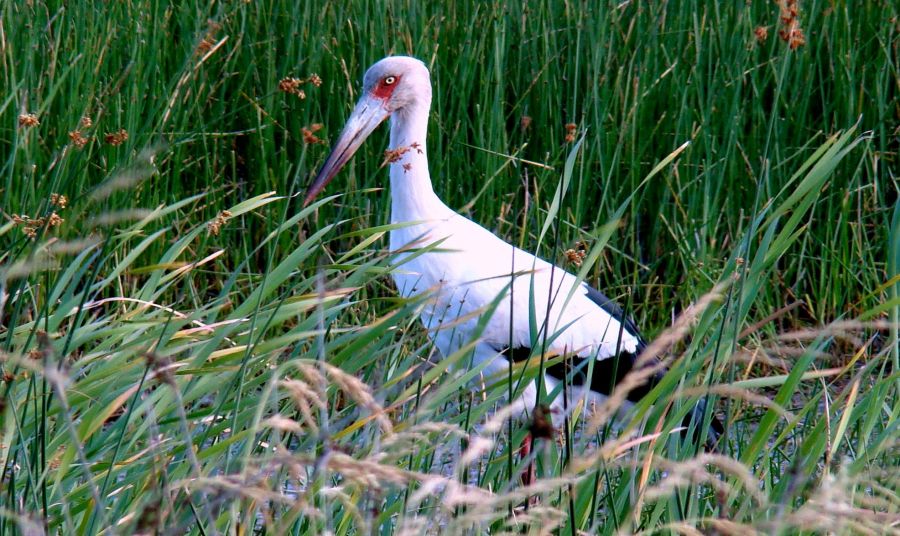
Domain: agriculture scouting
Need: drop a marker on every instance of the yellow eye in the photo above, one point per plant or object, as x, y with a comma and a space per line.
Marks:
388, 80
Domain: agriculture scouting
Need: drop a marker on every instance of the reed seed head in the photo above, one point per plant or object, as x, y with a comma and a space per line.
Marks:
28, 120
309, 134
215, 226
78, 139
116, 138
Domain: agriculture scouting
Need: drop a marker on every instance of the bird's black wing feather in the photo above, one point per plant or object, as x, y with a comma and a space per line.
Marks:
614, 310
607, 372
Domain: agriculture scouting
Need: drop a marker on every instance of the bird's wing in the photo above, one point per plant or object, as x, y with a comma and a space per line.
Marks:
591, 330
473, 269
578, 318
609, 367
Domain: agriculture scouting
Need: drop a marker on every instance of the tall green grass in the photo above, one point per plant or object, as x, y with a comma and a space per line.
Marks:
190, 351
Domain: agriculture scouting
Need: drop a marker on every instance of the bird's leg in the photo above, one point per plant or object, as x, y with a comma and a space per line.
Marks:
525, 449
540, 427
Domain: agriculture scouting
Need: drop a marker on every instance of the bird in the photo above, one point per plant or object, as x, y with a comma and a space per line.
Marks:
469, 272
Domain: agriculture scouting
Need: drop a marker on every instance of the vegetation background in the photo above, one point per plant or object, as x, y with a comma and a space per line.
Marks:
185, 349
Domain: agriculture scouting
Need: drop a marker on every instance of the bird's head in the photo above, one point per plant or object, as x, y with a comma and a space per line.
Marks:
393, 85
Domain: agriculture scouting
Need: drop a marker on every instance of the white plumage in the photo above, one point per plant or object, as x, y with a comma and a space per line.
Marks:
470, 266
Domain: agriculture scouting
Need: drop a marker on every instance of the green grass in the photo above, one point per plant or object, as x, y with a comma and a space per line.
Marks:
158, 376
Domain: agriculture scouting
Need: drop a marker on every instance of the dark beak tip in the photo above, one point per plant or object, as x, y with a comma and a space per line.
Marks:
310, 197
316, 188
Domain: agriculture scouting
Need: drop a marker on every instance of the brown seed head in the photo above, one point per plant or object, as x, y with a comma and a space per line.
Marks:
59, 200
215, 226
394, 155
28, 120
575, 256
761, 33
78, 139
790, 31
86, 122
315, 80
54, 220
292, 86
30, 225
309, 134
797, 38
525, 122
204, 46
116, 138
571, 128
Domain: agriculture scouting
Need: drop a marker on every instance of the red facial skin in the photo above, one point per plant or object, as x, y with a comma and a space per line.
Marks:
384, 91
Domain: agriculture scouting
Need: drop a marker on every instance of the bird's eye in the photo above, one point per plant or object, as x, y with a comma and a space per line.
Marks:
388, 80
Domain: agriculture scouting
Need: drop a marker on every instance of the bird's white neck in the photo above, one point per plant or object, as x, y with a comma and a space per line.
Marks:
412, 196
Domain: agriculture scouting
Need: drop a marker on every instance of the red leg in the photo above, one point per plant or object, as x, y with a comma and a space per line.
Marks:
524, 451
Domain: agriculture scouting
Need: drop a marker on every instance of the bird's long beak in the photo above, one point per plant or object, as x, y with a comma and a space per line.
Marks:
367, 115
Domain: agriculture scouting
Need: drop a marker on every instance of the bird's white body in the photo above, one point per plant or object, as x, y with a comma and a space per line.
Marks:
469, 267
464, 281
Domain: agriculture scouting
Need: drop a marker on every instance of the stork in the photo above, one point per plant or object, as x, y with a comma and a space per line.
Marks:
471, 268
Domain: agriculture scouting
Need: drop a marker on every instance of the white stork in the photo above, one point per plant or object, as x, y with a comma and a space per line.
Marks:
471, 266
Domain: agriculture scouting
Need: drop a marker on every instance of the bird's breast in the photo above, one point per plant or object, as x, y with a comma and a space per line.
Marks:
419, 271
